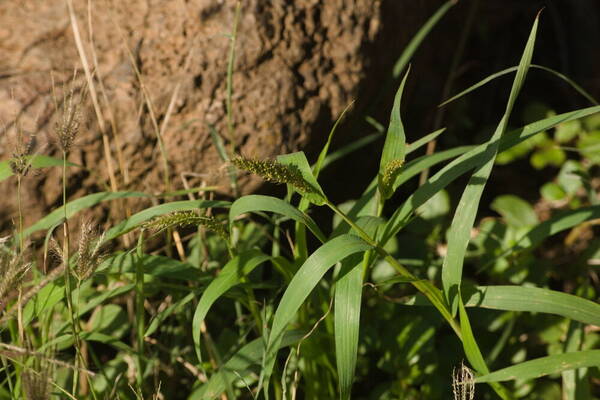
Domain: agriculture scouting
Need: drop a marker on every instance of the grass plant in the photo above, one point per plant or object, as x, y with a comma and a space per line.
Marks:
265, 301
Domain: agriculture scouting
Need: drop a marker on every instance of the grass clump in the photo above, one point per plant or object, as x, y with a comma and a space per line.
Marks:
375, 305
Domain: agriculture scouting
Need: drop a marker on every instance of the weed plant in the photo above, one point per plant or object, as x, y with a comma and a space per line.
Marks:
261, 301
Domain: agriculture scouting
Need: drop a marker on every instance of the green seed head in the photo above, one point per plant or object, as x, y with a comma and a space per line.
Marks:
273, 171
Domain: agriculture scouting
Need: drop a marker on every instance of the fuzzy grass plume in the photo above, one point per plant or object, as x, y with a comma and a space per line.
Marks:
463, 383
273, 171
185, 218
13, 268
69, 119
89, 253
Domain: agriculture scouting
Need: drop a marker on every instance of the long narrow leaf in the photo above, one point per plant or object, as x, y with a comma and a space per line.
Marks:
253, 203
307, 277
394, 148
73, 207
230, 276
544, 366
416, 41
490, 78
532, 299
135, 220
464, 218
348, 295
468, 161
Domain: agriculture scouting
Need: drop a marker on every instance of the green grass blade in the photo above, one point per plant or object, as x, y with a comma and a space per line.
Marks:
416, 41
470, 346
423, 141
558, 223
464, 217
230, 276
394, 148
73, 207
323, 154
349, 148
544, 366
253, 203
414, 167
573, 381
299, 161
239, 366
490, 78
136, 219
348, 295
307, 277
532, 299
468, 161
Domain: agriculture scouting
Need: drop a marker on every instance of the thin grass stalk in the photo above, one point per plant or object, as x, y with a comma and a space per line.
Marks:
230, 66
425, 287
140, 322
439, 115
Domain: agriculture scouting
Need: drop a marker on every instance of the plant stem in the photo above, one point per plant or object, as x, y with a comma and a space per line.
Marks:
427, 288
139, 309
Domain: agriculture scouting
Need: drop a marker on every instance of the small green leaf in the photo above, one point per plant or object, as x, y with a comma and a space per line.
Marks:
516, 212
567, 131
546, 156
394, 148
569, 177
552, 192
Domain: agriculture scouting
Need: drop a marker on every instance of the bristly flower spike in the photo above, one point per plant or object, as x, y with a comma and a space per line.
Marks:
273, 171
186, 218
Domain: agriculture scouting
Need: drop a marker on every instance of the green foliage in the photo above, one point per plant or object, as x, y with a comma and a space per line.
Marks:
382, 304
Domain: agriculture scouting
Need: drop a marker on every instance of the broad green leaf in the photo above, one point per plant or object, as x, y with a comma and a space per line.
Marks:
513, 69
253, 203
307, 277
394, 148
516, 212
73, 207
37, 161
416, 41
544, 366
465, 163
230, 275
239, 366
136, 219
552, 192
464, 217
532, 299
298, 160
569, 178
348, 294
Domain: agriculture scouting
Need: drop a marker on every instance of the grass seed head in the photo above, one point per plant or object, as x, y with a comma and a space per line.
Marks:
20, 162
185, 218
13, 268
89, 254
273, 171
390, 172
69, 120
36, 384
463, 383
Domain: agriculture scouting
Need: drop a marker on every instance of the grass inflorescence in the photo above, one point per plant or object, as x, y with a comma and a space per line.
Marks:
273, 171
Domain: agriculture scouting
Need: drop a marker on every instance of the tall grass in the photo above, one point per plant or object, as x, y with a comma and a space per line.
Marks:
267, 302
